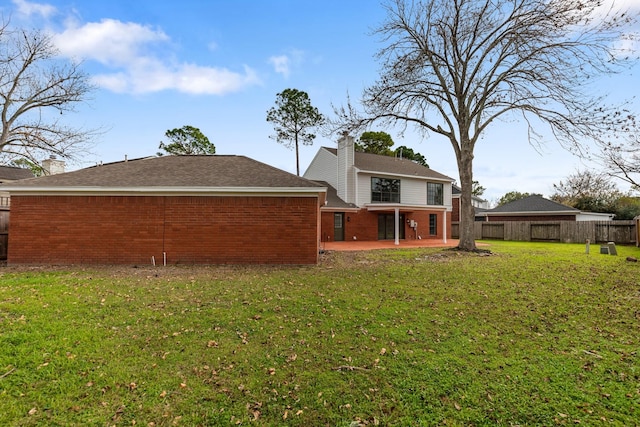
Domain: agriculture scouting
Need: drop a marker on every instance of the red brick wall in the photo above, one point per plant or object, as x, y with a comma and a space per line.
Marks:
130, 230
364, 225
326, 227
455, 204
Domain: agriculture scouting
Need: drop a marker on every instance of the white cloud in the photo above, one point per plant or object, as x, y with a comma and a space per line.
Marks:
283, 64
26, 8
149, 75
109, 41
138, 53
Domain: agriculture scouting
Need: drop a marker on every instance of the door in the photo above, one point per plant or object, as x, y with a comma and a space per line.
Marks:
338, 226
386, 227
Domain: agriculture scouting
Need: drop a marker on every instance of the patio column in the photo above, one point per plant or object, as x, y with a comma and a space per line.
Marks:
397, 227
444, 227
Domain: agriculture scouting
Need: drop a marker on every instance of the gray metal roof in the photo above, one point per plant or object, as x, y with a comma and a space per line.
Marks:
532, 204
391, 165
218, 171
10, 173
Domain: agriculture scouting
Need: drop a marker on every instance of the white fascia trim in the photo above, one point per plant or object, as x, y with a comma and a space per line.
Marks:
173, 191
387, 206
425, 178
325, 209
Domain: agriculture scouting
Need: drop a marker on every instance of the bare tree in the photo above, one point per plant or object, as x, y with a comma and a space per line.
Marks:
621, 159
36, 88
587, 190
454, 67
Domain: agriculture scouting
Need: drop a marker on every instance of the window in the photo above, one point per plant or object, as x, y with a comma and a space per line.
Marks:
435, 194
433, 224
385, 190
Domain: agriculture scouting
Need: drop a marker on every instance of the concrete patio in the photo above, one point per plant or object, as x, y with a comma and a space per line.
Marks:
357, 245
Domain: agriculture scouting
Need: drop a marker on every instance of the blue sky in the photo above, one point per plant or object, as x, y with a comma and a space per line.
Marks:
218, 65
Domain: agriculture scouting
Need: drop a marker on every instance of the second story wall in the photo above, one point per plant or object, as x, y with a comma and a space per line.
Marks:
412, 191
346, 172
323, 167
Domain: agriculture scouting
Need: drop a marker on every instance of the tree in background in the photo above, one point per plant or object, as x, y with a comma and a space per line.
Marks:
621, 159
23, 163
453, 67
627, 207
512, 196
36, 88
381, 143
477, 190
408, 153
375, 143
587, 191
293, 118
187, 140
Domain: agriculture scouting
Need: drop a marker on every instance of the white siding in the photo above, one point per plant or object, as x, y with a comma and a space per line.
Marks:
363, 187
448, 190
593, 216
346, 170
413, 191
323, 167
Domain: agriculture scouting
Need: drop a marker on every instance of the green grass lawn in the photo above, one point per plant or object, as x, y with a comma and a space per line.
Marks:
534, 334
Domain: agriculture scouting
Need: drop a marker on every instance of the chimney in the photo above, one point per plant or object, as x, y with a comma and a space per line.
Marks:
346, 171
53, 166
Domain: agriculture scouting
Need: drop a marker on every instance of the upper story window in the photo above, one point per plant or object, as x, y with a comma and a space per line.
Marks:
435, 193
385, 190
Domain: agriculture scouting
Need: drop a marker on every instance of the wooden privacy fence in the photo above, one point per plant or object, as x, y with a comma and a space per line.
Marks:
620, 232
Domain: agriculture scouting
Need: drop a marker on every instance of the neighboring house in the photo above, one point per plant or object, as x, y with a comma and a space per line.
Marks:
537, 208
480, 205
374, 197
10, 174
169, 209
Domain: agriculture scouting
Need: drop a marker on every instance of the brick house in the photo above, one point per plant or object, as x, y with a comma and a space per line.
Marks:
480, 205
374, 197
173, 209
8, 174
537, 208
11, 174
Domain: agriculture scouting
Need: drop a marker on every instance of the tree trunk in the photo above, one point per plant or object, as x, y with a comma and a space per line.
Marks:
467, 212
297, 158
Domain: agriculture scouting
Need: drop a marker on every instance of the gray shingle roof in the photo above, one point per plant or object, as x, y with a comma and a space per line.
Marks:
391, 165
173, 171
333, 201
10, 173
533, 204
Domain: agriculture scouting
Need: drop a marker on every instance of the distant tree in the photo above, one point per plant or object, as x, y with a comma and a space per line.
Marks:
293, 118
622, 158
35, 168
478, 190
588, 191
381, 143
627, 207
512, 196
375, 143
186, 140
455, 67
34, 83
408, 153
